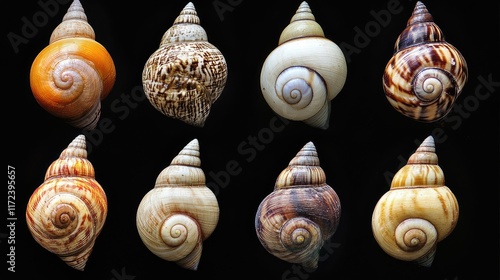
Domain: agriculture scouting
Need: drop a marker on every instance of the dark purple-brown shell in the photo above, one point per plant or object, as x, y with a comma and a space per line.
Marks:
302, 212
426, 74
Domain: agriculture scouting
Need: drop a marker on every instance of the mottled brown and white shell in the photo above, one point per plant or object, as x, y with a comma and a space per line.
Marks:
418, 211
67, 212
72, 75
303, 211
180, 212
301, 76
426, 74
186, 74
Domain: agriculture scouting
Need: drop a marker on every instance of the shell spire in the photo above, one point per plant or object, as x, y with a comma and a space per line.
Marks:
302, 24
67, 212
74, 24
186, 28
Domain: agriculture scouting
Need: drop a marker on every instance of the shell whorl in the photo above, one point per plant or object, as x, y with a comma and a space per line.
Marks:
180, 212
302, 212
418, 211
426, 74
186, 28
74, 24
67, 212
304, 72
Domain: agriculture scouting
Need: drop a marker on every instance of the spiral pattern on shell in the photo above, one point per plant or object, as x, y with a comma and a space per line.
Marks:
304, 73
66, 213
302, 212
418, 211
426, 74
186, 74
180, 212
72, 75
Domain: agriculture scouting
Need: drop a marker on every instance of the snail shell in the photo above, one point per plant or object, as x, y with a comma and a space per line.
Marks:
186, 74
426, 74
180, 212
72, 75
303, 211
418, 211
304, 73
66, 213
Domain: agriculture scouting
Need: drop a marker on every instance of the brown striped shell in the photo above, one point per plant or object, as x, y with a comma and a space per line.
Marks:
418, 211
186, 74
66, 213
303, 211
180, 212
426, 74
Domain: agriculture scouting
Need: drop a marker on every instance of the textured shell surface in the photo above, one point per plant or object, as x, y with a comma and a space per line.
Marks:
67, 212
301, 76
418, 211
180, 212
426, 74
303, 211
186, 74
72, 75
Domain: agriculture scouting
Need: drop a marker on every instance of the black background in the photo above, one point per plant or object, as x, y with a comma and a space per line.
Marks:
366, 142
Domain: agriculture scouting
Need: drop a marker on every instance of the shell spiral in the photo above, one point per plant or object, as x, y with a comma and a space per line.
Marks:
418, 211
180, 212
186, 74
426, 74
303, 211
301, 76
67, 212
72, 75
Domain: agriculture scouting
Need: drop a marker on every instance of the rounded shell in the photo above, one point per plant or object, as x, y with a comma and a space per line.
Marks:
302, 212
72, 75
418, 211
67, 212
180, 212
186, 74
304, 73
426, 74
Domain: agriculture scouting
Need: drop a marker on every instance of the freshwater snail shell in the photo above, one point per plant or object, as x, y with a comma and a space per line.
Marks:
303, 211
66, 213
72, 75
301, 76
186, 74
180, 212
418, 211
426, 74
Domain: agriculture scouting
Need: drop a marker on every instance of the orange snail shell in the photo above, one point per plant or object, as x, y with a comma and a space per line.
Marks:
426, 74
72, 75
66, 213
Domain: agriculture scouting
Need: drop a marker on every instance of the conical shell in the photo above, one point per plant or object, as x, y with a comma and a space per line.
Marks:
302, 212
66, 213
186, 74
418, 211
180, 212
